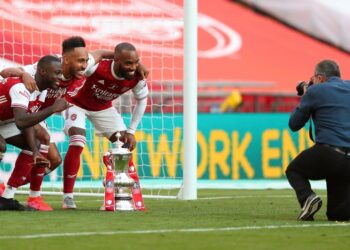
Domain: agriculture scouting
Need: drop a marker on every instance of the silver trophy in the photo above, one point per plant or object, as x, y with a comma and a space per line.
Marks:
120, 158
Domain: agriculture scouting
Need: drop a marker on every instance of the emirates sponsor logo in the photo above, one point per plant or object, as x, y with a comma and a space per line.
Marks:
103, 95
52, 93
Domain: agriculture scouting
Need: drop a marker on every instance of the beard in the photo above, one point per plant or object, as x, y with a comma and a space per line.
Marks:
123, 73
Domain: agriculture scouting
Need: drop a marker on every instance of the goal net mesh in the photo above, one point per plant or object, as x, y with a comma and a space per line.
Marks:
31, 29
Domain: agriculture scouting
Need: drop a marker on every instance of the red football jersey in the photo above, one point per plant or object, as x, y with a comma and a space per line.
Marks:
64, 87
102, 86
37, 100
13, 94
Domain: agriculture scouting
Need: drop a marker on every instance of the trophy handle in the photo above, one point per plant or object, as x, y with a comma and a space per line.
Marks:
109, 202
107, 160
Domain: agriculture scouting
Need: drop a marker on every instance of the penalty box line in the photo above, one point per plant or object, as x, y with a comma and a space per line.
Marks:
188, 230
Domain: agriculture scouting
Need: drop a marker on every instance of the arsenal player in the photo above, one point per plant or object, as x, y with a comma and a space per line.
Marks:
106, 81
75, 61
18, 112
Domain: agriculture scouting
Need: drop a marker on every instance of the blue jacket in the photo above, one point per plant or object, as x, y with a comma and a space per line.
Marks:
328, 104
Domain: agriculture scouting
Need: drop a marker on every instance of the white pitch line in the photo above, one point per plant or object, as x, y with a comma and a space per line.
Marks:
246, 196
206, 198
188, 230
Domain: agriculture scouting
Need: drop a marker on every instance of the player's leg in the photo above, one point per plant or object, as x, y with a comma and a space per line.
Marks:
22, 167
75, 127
54, 157
43, 135
108, 122
36, 175
2, 153
2, 147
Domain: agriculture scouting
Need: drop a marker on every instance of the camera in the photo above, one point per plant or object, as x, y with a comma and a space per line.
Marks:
300, 87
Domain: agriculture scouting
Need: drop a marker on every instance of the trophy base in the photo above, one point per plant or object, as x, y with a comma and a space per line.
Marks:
124, 204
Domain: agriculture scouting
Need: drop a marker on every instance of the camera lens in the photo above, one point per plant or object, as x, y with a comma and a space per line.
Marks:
300, 88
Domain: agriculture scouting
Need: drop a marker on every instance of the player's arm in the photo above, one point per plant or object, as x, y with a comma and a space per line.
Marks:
143, 71
140, 92
137, 115
25, 120
27, 79
12, 71
100, 54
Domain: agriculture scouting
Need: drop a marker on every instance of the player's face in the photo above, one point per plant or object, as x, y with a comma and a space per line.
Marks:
126, 64
76, 61
53, 74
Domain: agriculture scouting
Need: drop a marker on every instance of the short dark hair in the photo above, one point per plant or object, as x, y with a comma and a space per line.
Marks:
46, 60
71, 43
327, 68
124, 46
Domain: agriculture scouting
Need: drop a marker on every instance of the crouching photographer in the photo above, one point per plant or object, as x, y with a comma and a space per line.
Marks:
326, 101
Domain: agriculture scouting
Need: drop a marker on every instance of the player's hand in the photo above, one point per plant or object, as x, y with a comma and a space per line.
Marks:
40, 161
29, 82
60, 105
143, 71
130, 141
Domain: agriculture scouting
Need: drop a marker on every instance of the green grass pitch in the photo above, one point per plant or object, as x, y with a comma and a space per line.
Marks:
219, 219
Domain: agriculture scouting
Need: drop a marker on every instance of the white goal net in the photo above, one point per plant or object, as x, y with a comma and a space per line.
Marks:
30, 29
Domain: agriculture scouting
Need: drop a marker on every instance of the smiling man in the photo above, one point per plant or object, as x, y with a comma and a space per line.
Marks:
106, 81
19, 111
75, 61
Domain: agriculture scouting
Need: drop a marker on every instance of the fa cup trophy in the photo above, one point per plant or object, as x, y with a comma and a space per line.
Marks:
121, 176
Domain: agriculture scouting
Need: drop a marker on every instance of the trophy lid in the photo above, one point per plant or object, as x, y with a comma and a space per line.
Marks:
118, 146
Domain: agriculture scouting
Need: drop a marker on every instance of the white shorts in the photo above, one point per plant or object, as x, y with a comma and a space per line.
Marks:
8, 130
106, 122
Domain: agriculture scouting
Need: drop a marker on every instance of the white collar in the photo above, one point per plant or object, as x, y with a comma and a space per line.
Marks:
36, 93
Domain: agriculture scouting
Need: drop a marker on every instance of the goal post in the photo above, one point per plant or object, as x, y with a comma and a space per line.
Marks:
189, 188
166, 154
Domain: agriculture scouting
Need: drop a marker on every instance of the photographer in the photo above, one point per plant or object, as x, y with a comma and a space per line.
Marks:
326, 100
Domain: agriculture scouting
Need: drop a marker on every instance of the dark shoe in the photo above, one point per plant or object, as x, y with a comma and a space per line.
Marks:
12, 204
312, 204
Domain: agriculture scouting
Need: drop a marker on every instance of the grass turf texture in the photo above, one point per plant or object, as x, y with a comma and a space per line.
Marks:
219, 219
